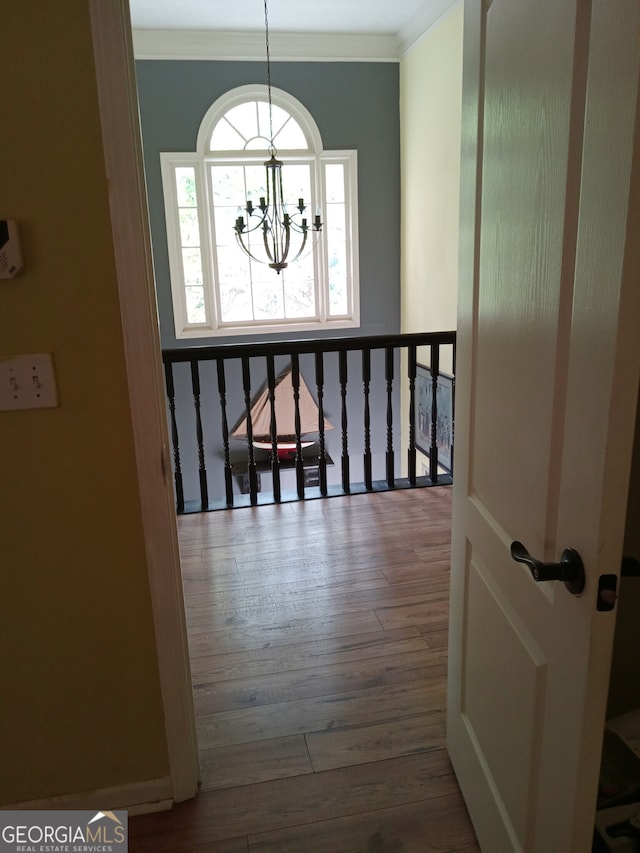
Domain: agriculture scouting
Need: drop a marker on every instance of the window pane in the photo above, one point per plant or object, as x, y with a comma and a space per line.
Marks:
189, 230
291, 137
235, 303
233, 266
296, 184
335, 222
338, 303
279, 115
244, 119
334, 179
186, 186
226, 138
268, 300
228, 185
300, 302
192, 267
337, 259
299, 288
195, 305
255, 183
224, 221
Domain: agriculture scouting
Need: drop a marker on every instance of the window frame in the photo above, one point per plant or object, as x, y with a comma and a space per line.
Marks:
201, 161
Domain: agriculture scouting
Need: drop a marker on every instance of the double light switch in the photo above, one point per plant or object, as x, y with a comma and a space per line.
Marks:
27, 382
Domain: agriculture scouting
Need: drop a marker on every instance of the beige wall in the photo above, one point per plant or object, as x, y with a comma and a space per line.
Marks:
430, 116
430, 131
81, 706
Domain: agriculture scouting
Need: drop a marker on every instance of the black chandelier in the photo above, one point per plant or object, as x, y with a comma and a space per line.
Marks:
278, 225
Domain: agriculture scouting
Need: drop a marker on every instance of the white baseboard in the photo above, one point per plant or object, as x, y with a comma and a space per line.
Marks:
152, 795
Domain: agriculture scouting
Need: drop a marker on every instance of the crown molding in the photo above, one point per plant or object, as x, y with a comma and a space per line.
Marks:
427, 18
250, 46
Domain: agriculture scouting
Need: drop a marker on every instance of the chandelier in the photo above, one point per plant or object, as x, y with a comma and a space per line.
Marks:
284, 231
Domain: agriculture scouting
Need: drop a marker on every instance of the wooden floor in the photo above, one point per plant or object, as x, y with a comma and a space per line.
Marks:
318, 635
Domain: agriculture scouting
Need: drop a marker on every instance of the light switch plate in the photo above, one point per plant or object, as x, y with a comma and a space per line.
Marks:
27, 382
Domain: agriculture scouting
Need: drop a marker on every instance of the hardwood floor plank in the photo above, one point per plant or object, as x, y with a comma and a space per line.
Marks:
325, 601
365, 742
310, 653
436, 634
325, 555
320, 713
172, 841
433, 568
212, 602
196, 568
271, 584
439, 825
296, 801
246, 764
326, 680
237, 635
406, 614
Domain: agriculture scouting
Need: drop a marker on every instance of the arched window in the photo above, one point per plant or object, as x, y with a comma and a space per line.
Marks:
217, 289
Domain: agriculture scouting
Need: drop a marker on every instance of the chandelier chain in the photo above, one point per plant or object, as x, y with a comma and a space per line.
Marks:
266, 30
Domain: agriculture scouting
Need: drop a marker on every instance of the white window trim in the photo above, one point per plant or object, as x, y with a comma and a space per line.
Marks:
240, 95
350, 159
199, 160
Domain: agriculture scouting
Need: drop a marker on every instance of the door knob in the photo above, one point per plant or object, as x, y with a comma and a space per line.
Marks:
569, 570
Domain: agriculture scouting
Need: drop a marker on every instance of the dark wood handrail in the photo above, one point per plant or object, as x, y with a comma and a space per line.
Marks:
245, 354
315, 345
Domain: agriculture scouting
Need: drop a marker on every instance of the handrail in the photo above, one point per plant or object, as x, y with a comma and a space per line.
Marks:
311, 345
233, 380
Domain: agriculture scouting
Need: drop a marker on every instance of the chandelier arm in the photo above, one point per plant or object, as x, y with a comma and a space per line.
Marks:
271, 255
301, 249
299, 229
285, 251
246, 249
247, 229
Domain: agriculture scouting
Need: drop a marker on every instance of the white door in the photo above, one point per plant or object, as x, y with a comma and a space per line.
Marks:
547, 382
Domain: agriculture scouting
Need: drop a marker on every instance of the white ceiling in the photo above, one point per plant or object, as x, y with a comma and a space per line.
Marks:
380, 17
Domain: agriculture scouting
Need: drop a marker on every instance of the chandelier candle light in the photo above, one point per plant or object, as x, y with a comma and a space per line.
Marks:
273, 218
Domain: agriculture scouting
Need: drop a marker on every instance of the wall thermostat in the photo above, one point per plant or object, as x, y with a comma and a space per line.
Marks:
10, 252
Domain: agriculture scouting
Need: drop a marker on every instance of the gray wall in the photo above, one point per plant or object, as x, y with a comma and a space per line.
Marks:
356, 105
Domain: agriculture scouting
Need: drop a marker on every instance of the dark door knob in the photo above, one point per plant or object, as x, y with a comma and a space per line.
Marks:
569, 570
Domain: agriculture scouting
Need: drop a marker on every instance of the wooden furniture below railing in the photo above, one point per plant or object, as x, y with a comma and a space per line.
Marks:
264, 465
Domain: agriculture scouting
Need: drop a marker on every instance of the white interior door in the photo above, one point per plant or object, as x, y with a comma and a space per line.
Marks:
547, 381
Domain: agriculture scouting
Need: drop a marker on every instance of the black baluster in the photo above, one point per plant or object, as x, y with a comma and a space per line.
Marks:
412, 369
177, 470
322, 457
295, 380
251, 467
202, 470
346, 482
275, 459
390, 456
433, 454
222, 391
366, 381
